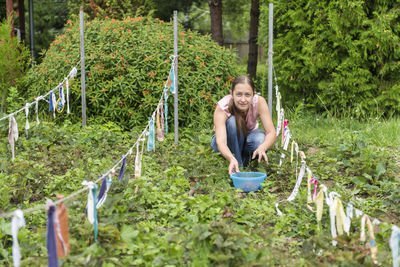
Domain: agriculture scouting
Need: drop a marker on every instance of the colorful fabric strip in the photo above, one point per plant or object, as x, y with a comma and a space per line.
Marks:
61, 93
372, 242
17, 222
162, 116
51, 104
281, 117
291, 151
295, 189
278, 112
314, 180
150, 142
91, 206
67, 87
319, 201
329, 198
394, 245
104, 188
12, 135
27, 127
137, 162
37, 109
51, 237
160, 135
172, 78
122, 170
95, 222
62, 237
284, 128
349, 216
53, 98
166, 109
340, 216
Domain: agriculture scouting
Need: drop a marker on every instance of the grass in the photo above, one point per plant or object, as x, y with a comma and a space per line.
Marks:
184, 211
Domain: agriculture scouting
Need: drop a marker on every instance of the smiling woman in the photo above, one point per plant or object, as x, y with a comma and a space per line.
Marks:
237, 136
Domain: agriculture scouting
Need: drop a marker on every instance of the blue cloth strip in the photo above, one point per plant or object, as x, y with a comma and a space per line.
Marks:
171, 76
60, 91
150, 142
122, 170
94, 191
166, 110
103, 188
51, 101
51, 239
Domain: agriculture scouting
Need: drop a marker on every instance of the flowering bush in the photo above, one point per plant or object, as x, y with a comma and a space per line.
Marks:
127, 63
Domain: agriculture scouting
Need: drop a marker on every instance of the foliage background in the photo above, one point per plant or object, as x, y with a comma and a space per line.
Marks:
184, 210
13, 64
338, 57
127, 62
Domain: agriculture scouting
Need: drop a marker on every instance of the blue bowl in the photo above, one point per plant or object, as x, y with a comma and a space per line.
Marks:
248, 181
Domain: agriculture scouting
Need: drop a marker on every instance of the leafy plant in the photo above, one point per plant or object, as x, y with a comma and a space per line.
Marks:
127, 62
14, 59
340, 57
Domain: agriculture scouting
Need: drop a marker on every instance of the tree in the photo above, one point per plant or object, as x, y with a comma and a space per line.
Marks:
216, 20
14, 58
116, 9
253, 36
339, 57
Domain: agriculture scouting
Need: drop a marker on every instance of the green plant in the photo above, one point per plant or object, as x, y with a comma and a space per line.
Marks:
14, 59
340, 57
127, 63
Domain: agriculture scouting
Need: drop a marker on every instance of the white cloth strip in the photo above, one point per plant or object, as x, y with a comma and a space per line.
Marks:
27, 127
42, 96
17, 222
67, 88
90, 201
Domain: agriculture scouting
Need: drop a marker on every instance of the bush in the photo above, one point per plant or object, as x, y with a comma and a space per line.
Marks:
14, 58
127, 63
339, 56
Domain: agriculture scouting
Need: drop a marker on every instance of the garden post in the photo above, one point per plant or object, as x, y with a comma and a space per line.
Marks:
83, 85
31, 29
176, 75
270, 51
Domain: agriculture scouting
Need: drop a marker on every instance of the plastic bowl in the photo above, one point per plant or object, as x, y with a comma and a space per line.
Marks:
248, 181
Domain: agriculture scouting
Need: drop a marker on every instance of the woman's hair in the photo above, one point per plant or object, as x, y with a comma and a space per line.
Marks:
240, 121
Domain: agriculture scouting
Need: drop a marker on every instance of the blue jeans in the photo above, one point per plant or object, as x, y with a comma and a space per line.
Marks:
242, 149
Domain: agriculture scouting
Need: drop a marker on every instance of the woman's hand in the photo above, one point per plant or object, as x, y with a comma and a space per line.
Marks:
260, 153
233, 166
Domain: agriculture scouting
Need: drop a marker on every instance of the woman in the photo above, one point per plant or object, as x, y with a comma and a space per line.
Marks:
237, 136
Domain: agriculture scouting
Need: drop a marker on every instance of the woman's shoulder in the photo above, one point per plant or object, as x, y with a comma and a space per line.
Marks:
224, 104
259, 99
225, 100
227, 97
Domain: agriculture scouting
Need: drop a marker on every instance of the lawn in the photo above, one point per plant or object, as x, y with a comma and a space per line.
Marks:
184, 209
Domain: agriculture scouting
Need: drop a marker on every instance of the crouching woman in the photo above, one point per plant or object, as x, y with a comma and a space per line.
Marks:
237, 136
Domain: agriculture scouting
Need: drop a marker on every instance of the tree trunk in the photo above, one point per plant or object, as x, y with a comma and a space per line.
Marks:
253, 36
21, 14
216, 20
10, 15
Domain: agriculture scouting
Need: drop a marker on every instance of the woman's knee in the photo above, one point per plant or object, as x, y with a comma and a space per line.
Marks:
231, 123
214, 145
256, 139
259, 139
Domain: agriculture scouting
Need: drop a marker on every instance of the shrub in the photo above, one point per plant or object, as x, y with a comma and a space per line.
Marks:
127, 63
340, 56
14, 58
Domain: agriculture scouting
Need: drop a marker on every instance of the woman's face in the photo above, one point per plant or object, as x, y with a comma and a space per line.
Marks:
242, 96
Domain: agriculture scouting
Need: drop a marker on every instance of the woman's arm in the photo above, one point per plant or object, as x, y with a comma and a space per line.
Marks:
270, 134
220, 134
